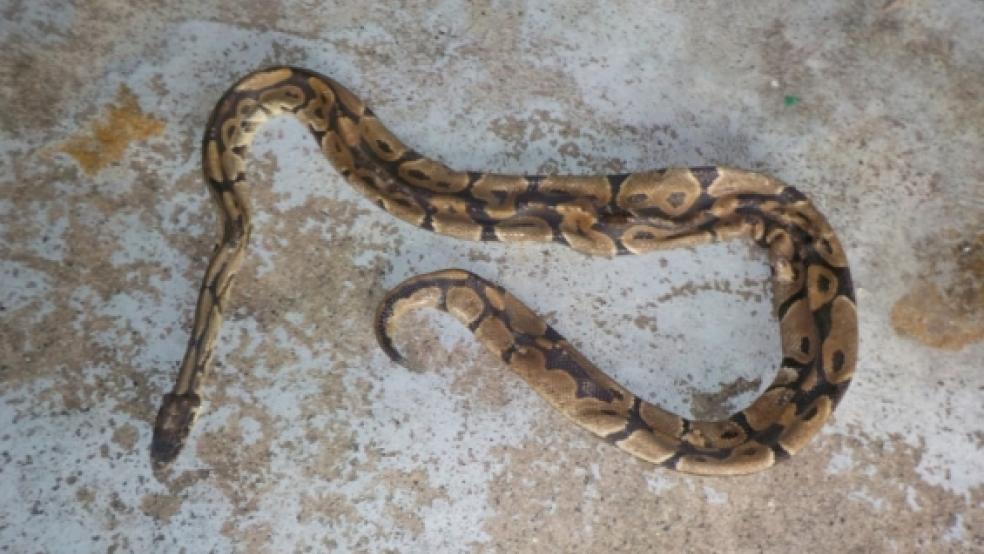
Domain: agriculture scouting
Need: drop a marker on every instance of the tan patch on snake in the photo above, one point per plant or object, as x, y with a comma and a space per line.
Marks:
749, 456
797, 333
264, 79
381, 140
523, 228
649, 446
123, 124
735, 181
452, 218
499, 193
673, 191
716, 434
282, 99
768, 407
465, 304
821, 286
433, 175
594, 189
800, 427
840, 348
494, 334
658, 418
578, 228
522, 319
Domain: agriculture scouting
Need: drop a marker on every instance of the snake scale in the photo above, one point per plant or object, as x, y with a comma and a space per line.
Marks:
604, 215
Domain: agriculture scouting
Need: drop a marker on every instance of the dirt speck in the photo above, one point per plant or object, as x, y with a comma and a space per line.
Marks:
125, 436
160, 506
85, 496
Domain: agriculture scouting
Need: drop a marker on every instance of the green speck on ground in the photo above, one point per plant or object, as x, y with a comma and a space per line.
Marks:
791, 100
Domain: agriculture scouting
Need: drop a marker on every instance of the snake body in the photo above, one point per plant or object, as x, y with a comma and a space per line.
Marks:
603, 215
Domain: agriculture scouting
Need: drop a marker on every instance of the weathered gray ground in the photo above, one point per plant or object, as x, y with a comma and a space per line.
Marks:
312, 440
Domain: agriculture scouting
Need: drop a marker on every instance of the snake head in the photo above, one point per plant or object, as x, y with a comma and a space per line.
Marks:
174, 420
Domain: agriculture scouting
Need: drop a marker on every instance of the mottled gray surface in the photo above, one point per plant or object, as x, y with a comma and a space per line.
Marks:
312, 440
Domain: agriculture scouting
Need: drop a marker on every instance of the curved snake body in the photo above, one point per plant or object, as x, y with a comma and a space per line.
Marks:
603, 215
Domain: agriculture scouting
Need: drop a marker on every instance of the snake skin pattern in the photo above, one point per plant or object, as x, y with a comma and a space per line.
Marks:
603, 215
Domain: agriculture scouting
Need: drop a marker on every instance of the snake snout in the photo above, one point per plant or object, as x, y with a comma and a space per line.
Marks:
174, 421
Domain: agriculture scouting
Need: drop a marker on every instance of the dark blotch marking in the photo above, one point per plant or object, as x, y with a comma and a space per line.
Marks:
523, 225
705, 175
384, 146
417, 174
676, 199
729, 435
805, 345
838, 360
823, 283
810, 414
790, 195
643, 235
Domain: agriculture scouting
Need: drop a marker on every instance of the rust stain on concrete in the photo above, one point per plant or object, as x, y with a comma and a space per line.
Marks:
108, 138
949, 316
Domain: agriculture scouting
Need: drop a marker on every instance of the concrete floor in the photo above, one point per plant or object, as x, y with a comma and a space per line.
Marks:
312, 440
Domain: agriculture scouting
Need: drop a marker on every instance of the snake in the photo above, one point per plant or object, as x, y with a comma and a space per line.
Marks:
595, 215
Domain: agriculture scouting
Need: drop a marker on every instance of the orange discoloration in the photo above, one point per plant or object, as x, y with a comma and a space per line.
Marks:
108, 138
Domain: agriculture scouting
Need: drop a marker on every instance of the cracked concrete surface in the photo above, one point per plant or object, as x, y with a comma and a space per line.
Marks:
312, 440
